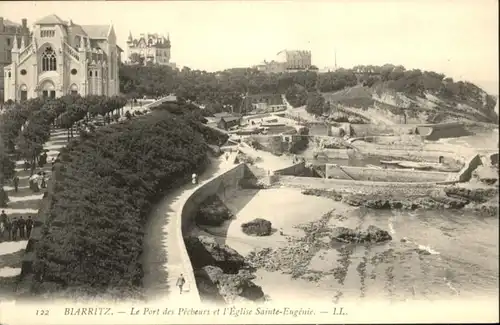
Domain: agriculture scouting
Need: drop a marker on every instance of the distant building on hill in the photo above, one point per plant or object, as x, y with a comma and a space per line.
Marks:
285, 60
262, 103
225, 121
298, 60
61, 57
148, 48
8, 31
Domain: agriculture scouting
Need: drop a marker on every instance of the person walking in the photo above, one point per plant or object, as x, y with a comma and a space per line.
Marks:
29, 226
21, 223
16, 183
8, 229
43, 183
194, 178
180, 283
3, 217
14, 228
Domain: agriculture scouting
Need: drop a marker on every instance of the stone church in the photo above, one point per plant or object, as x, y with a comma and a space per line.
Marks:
61, 58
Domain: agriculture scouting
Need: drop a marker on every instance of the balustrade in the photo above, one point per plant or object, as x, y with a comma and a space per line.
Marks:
71, 51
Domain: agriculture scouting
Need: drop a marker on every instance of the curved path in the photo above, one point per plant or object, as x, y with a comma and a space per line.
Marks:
163, 258
25, 202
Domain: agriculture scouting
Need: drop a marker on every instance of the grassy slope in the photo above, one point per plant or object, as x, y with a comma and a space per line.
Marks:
379, 104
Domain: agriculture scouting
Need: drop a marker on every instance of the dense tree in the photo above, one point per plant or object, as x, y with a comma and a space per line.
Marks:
103, 191
315, 104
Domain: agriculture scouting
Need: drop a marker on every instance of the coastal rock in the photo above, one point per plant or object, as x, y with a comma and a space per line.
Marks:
257, 227
205, 251
479, 195
216, 286
213, 212
233, 287
437, 201
371, 235
207, 279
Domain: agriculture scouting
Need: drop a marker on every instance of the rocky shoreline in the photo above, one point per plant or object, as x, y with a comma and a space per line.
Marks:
222, 275
481, 200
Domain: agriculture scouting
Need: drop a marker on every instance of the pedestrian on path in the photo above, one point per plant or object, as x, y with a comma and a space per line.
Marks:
21, 223
8, 229
43, 183
3, 217
29, 226
16, 183
180, 283
194, 178
15, 227
26, 165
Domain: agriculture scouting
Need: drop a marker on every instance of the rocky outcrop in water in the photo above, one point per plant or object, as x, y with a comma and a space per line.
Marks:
227, 288
479, 195
222, 275
405, 203
257, 227
205, 251
213, 212
371, 235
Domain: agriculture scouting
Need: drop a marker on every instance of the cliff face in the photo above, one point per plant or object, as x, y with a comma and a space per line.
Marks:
382, 104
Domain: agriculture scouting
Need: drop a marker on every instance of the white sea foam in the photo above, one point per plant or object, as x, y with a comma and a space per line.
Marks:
428, 249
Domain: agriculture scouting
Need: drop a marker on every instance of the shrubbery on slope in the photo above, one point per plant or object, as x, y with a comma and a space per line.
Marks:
92, 240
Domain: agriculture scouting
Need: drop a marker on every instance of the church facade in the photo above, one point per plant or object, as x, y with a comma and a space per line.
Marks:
61, 58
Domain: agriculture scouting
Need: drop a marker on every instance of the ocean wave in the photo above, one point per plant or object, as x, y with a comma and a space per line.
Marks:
428, 249
421, 247
448, 283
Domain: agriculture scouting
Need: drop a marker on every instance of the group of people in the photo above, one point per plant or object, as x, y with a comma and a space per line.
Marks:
41, 161
17, 226
38, 181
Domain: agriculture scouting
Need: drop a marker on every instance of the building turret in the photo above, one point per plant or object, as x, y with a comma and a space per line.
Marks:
23, 45
167, 43
15, 50
130, 39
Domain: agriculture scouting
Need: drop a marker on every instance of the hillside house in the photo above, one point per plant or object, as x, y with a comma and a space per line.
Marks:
227, 122
263, 103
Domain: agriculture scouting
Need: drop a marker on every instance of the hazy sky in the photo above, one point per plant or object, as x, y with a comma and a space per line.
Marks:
458, 38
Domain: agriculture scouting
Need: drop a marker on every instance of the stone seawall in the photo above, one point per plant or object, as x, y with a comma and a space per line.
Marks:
434, 132
221, 185
384, 175
357, 187
293, 170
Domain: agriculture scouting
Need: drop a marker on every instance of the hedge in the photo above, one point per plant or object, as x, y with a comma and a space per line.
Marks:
92, 239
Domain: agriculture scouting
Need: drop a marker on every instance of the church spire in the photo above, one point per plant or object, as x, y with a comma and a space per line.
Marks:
130, 39
15, 46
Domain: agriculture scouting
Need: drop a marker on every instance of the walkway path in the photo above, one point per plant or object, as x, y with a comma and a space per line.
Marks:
163, 259
25, 203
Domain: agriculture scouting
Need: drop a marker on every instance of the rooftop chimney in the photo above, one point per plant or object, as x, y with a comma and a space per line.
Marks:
1, 24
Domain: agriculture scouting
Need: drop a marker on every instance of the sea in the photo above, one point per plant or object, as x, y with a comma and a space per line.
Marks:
433, 255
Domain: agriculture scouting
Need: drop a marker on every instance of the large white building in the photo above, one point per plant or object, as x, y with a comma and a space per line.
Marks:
62, 58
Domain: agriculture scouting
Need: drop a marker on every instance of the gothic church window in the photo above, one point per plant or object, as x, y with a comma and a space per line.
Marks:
49, 62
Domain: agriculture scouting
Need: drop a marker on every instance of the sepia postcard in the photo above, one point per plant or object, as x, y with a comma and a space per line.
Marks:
249, 162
